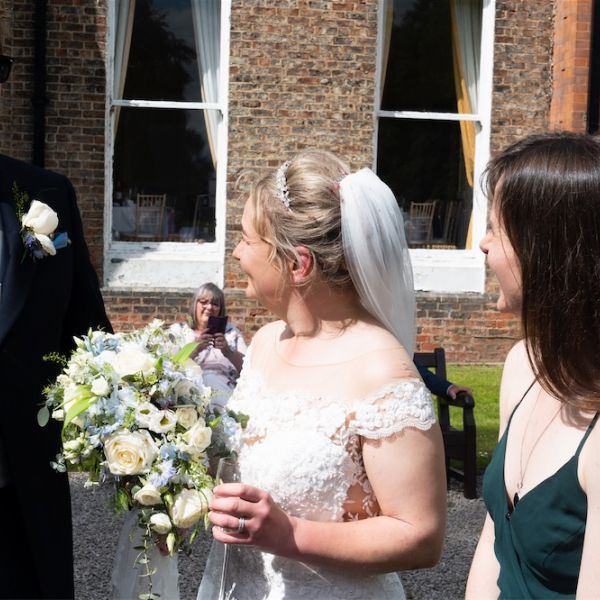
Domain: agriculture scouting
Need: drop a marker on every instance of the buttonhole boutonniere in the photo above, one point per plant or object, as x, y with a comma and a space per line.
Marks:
38, 226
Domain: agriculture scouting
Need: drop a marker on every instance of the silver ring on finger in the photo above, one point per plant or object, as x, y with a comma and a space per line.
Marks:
241, 525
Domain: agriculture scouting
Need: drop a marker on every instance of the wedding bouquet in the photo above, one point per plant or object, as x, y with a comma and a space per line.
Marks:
133, 406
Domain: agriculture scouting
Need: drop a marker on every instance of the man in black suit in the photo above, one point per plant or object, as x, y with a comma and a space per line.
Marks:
44, 302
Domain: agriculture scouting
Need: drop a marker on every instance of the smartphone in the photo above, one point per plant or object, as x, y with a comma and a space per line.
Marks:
217, 324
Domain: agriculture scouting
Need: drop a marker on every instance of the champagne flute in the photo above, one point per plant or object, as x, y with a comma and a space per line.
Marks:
227, 472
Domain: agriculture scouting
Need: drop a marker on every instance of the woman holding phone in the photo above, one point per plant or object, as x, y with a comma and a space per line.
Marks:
221, 346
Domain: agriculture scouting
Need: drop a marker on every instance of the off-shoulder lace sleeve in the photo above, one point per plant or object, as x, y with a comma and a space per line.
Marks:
403, 404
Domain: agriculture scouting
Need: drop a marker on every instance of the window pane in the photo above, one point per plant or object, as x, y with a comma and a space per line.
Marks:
419, 73
162, 62
161, 151
422, 161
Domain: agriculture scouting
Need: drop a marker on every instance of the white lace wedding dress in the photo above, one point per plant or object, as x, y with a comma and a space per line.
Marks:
305, 450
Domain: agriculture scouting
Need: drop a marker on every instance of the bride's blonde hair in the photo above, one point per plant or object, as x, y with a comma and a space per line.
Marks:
310, 181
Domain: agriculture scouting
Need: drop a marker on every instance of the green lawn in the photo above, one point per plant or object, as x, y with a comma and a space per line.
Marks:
484, 380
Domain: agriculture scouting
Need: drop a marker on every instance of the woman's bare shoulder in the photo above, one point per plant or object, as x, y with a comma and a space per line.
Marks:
517, 376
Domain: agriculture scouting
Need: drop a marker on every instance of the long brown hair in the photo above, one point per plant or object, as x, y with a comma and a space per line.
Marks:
546, 190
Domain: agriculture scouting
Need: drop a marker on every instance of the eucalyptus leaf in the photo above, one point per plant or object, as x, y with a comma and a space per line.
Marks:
43, 416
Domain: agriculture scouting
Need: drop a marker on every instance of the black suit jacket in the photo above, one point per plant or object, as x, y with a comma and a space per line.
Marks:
44, 304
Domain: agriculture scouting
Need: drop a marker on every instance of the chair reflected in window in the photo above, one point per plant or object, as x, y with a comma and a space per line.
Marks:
451, 222
149, 215
420, 221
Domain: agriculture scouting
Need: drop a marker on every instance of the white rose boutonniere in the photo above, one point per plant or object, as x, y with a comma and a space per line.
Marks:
38, 226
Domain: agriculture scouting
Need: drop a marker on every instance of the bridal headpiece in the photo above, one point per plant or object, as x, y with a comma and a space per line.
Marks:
283, 191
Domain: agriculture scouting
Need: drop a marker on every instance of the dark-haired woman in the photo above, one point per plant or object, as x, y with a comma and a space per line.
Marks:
541, 538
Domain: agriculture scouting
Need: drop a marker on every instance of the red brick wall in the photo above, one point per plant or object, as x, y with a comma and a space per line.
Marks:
570, 73
76, 100
522, 69
301, 75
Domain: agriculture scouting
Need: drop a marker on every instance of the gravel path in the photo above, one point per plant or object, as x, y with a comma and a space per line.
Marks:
96, 531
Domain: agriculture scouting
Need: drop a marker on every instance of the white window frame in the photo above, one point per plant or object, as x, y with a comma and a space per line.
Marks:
172, 265
453, 271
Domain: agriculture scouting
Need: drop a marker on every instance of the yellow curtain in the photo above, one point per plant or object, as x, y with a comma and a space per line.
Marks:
467, 128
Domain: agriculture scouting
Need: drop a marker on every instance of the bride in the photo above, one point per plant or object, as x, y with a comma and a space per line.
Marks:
341, 464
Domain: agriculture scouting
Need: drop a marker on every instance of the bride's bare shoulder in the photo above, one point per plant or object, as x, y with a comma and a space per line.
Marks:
267, 335
382, 358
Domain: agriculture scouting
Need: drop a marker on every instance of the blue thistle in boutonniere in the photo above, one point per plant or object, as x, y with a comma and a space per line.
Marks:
38, 226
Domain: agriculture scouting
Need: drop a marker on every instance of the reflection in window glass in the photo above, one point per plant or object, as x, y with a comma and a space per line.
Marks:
419, 72
163, 151
422, 162
162, 62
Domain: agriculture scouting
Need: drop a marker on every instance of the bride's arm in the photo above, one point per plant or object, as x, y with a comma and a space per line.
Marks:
407, 474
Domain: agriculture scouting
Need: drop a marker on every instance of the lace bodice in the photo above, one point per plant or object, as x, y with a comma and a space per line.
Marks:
306, 451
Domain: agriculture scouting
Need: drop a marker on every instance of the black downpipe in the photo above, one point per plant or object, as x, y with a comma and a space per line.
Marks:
593, 111
39, 99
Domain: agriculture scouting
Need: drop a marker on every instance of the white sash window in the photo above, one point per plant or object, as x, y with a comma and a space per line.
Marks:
434, 91
166, 142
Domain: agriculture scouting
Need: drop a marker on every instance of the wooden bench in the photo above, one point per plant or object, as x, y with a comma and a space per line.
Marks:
459, 444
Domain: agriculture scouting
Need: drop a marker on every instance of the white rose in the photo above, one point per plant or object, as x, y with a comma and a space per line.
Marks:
162, 421
198, 436
148, 495
46, 243
186, 416
161, 523
144, 412
100, 386
133, 360
130, 453
41, 218
58, 414
189, 507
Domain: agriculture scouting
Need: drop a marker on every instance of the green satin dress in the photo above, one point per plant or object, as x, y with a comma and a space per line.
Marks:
539, 541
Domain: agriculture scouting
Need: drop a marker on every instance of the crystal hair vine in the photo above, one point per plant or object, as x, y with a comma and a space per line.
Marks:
282, 187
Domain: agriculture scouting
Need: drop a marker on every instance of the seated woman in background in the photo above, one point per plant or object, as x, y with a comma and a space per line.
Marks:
220, 354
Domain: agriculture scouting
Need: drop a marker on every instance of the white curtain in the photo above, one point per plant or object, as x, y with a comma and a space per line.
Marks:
207, 33
467, 17
125, 10
388, 21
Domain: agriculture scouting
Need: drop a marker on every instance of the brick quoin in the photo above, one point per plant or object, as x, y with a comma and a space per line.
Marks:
302, 74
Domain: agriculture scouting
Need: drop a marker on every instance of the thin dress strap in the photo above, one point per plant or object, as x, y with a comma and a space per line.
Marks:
519, 403
587, 433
